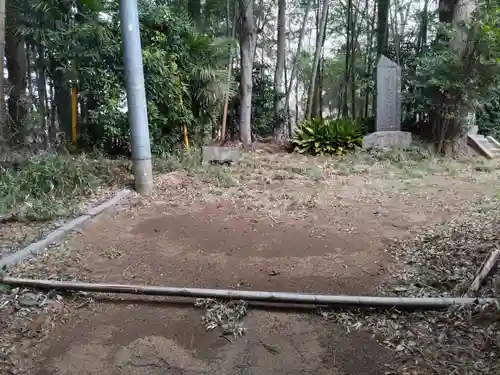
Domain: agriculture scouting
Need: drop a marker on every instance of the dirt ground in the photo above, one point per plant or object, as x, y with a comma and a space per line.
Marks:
273, 223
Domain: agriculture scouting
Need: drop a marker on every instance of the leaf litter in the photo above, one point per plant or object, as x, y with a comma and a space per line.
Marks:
31, 317
441, 261
225, 315
28, 317
438, 262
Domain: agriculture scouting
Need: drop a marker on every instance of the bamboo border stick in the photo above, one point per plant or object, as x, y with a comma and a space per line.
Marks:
483, 272
277, 297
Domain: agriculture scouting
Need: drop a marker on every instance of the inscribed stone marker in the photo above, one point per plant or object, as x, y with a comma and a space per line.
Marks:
388, 95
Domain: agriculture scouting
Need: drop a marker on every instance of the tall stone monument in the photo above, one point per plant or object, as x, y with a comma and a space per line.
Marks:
388, 132
388, 95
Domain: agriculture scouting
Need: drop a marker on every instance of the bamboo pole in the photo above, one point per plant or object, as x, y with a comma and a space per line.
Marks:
483, 272
313, 299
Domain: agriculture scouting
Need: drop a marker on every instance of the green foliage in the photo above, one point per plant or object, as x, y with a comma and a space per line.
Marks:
327, 137
184, 72
263, 117
263, 120
488, 114
449, 83
488, 27
367, 124
45, 186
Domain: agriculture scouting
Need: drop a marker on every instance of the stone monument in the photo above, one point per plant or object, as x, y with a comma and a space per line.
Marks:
388, 132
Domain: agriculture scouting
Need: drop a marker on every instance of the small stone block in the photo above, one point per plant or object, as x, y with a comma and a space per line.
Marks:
220, 155
387, 140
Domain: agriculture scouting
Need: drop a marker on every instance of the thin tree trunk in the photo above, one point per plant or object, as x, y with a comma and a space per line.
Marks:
354, 44
29, 55
317, 55
382, 27
53, 114
319, 90
296, 103
382, 37
229, 71
42, 86
345, 110
247, 48
279, 83
16, 66
369, 57
287, 107
194, 10
318, 97
297, 54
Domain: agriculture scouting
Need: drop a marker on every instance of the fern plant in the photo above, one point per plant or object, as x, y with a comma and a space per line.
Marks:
317, 137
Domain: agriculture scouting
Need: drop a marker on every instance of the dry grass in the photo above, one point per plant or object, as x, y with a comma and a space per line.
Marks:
277, 184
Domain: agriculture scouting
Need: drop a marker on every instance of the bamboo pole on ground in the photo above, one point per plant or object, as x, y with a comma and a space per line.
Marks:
277, 297
483, 272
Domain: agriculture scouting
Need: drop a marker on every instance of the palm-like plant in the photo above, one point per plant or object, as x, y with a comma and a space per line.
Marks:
185, 74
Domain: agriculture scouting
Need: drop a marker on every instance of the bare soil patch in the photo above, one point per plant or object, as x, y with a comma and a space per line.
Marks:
276, 222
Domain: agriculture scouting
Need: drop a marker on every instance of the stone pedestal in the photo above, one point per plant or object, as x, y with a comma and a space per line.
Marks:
387, 140
220, 155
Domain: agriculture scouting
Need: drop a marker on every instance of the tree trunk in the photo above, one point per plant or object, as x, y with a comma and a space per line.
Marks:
53, 114
450, 128
279, 97
316, 101
62, 96
317, 56
382, 38
382, 27
369, 58
347, 62
462, 16
194, 10
354, 46
229, 70
247, 48
16, 67
42, 87
297, 54
29, 60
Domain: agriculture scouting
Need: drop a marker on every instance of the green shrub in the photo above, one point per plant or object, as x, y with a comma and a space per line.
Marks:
367, 124
318, 137
47, 186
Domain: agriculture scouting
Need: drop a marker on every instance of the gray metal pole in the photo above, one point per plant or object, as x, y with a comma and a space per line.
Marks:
136, 97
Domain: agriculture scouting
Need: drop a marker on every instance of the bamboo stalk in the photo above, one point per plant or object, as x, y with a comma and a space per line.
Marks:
314, 299
483, 272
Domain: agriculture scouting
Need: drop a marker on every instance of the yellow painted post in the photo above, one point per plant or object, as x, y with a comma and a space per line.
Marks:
73, 115
186, 138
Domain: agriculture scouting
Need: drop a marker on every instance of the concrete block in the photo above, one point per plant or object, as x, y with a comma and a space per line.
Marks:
220, 155
387, 140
